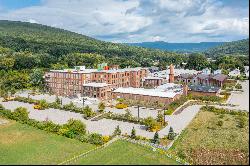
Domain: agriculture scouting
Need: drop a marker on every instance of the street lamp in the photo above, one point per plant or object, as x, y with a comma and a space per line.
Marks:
138, 109
83, 101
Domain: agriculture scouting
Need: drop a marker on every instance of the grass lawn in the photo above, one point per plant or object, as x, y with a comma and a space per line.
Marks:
206, 142
122, 152
22, 144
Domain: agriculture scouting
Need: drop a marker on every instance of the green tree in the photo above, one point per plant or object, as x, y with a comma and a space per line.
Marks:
76, 127
133, 133
160, 118
6, 63
101, 106
95, 138
156, 139
43, 104
88, 111
128, 114
117, 131
150, 123
36, 78
197, 61
171, 134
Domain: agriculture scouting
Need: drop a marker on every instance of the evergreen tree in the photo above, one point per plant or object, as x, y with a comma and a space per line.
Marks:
133, 133
156, 139
117, 131
171, 134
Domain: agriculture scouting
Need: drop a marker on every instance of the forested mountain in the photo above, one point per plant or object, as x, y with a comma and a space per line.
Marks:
240, 47
178, 47
58, 44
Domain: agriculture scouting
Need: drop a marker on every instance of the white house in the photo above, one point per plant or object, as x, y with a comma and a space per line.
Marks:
219, 71
206, 71
234, 73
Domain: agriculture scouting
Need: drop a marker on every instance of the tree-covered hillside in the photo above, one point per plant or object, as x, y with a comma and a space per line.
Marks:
40, 39
240, 47
178, 47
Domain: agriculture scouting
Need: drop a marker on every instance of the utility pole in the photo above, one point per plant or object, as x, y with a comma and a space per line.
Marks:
83, 101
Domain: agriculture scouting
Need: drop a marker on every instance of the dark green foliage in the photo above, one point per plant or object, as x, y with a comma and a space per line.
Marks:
197, 61
53, 45
220, 123
224, 111
133, 133
76, 127
72, 129
156, 139
95, 139
240, 47
117, 131
21, 114
88, 112
171, 134
101, 107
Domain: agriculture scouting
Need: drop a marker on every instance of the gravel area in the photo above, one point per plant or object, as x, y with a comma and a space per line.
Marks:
144, 112
105, 126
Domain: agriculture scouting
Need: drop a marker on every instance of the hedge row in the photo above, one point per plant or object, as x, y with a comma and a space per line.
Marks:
86, 111
74, 129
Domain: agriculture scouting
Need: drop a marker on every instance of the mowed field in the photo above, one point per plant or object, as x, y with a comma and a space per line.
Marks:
206, 142
123, 152
22, 144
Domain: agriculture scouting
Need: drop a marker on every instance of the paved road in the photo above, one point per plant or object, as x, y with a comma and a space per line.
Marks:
241, 98
180, 121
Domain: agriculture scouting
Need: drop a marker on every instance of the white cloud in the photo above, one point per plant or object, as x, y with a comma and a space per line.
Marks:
141, 20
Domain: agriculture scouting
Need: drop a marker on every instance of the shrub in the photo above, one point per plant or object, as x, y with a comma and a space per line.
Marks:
76, 127
101, 107
169, 112
121, 106
220, 123
1, 107
55, 105
156, 139
58, 101
69, 106
117, 131
21, 114
160, 118
105, 139
88, 112
171, 134
238, 86
133, 133
43, 104
128, 115
95, 138
150, 123
242, 121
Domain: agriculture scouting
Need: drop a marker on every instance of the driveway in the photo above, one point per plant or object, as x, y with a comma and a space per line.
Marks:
241, 99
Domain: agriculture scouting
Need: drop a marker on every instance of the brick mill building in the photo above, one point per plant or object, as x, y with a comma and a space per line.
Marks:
70, 82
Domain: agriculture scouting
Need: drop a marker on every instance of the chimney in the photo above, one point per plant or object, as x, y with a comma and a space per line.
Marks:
185, 89
171, 74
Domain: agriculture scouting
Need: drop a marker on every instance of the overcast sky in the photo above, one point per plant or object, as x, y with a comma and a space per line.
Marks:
138, 20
